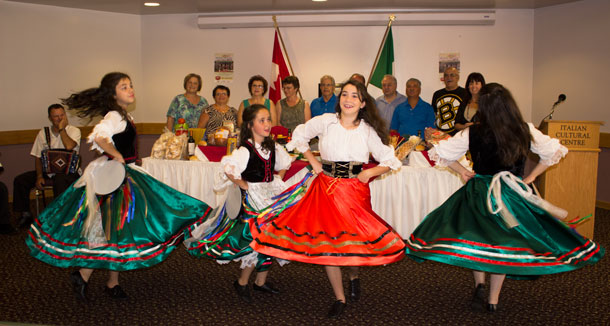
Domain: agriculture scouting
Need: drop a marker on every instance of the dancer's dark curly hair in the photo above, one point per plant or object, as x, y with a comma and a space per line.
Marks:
99, 100
369, 113
499, 116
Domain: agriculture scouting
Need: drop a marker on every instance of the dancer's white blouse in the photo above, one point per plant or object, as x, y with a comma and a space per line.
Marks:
338, 144
112, 123
237, 162
549, 149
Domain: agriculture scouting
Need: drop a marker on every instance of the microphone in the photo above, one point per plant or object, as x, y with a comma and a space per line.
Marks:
562, 97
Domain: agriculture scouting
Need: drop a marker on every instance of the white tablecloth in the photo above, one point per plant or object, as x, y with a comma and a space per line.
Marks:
402, 198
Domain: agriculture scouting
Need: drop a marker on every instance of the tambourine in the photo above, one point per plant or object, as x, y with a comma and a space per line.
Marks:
108, 177
233, 202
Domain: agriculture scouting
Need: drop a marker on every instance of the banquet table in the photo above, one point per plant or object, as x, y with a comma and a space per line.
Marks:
402, 198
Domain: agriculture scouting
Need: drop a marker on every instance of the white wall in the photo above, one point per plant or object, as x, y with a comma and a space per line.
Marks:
48, 52
173, 46
571, 56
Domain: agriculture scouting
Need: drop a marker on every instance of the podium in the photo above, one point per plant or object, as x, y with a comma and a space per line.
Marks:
572, 183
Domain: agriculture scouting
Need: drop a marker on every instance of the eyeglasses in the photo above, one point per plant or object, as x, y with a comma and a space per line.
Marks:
450, 75
327, 85
258, 86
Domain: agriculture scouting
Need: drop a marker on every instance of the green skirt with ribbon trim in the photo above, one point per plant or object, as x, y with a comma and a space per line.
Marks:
514, 235
136, 226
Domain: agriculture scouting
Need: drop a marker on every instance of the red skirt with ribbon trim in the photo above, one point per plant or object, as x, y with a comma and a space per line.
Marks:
333, 224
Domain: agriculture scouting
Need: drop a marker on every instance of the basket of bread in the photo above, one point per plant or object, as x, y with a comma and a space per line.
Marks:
406, 146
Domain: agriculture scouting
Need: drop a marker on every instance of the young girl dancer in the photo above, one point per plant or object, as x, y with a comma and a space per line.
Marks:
494, 223
334, 224
135, 226
251, 167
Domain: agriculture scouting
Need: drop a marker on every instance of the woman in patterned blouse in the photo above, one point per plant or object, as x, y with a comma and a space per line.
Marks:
215, 115
188, 105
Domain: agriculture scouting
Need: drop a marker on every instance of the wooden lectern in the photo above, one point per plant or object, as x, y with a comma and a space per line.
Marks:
572, 183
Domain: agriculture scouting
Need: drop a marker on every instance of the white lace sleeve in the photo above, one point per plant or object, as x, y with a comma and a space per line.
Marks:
235, 163
383, 154
282, 158
303, 133
549, 149
450, 150
113, 123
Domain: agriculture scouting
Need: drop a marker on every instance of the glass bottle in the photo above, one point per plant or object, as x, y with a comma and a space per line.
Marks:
191, 144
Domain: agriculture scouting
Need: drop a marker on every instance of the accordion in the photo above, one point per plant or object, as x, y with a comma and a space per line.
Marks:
59, 161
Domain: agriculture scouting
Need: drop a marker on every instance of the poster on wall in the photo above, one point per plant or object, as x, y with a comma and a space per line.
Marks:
223, 67
446, 60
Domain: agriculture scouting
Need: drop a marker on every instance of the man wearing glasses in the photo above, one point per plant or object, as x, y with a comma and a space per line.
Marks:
326, 103
446, 101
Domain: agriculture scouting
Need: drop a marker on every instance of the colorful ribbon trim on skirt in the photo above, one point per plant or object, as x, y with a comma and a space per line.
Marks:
282, 201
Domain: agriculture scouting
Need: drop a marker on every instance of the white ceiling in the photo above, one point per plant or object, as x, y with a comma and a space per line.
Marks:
208, 6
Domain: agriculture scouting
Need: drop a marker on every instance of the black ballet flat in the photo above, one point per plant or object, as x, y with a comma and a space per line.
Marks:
336, 309
492, 307
243, 292
79, 286
478, 299
266, 288
354, 290
116, 292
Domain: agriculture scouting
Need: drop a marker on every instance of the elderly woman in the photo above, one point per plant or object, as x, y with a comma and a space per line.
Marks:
467, 112
188, 105
258, 88
215, 115
292, 110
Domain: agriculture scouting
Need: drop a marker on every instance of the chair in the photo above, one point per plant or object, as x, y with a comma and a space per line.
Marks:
38, 194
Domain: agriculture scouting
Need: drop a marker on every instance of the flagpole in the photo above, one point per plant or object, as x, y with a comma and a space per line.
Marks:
387, 30
277, 29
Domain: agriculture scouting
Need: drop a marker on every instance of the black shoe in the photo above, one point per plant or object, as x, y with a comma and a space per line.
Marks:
478, 298
336, 309
7, 229
79, 286
243, 292
354, 289
116, 292
266, 288
492, 307
25, 220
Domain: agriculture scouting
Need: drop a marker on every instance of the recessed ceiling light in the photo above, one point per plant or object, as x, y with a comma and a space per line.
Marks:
151, 4
318, 0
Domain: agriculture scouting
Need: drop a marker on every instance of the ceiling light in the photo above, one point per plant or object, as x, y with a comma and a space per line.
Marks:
318, 0
151, 4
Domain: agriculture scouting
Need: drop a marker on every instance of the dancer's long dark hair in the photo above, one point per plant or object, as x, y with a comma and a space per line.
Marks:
499, 116
99, 100
246, 127
369, 113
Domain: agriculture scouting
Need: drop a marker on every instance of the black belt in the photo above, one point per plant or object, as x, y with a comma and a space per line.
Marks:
348, 169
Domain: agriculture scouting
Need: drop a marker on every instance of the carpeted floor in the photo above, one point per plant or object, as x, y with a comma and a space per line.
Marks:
188, 291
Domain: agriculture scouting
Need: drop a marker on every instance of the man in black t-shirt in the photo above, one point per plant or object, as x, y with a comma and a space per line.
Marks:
446, 101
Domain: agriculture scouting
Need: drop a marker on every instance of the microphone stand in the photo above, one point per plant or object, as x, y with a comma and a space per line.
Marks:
550, 115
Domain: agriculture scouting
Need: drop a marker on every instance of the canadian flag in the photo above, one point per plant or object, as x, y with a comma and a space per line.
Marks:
279, 71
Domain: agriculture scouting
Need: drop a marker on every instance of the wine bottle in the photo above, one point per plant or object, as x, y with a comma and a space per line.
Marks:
191, 144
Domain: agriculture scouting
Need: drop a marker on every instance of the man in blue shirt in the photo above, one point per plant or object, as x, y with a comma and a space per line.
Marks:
387, 103
326, 103
413, 116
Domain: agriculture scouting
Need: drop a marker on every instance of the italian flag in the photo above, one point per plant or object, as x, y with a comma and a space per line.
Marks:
385, 63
